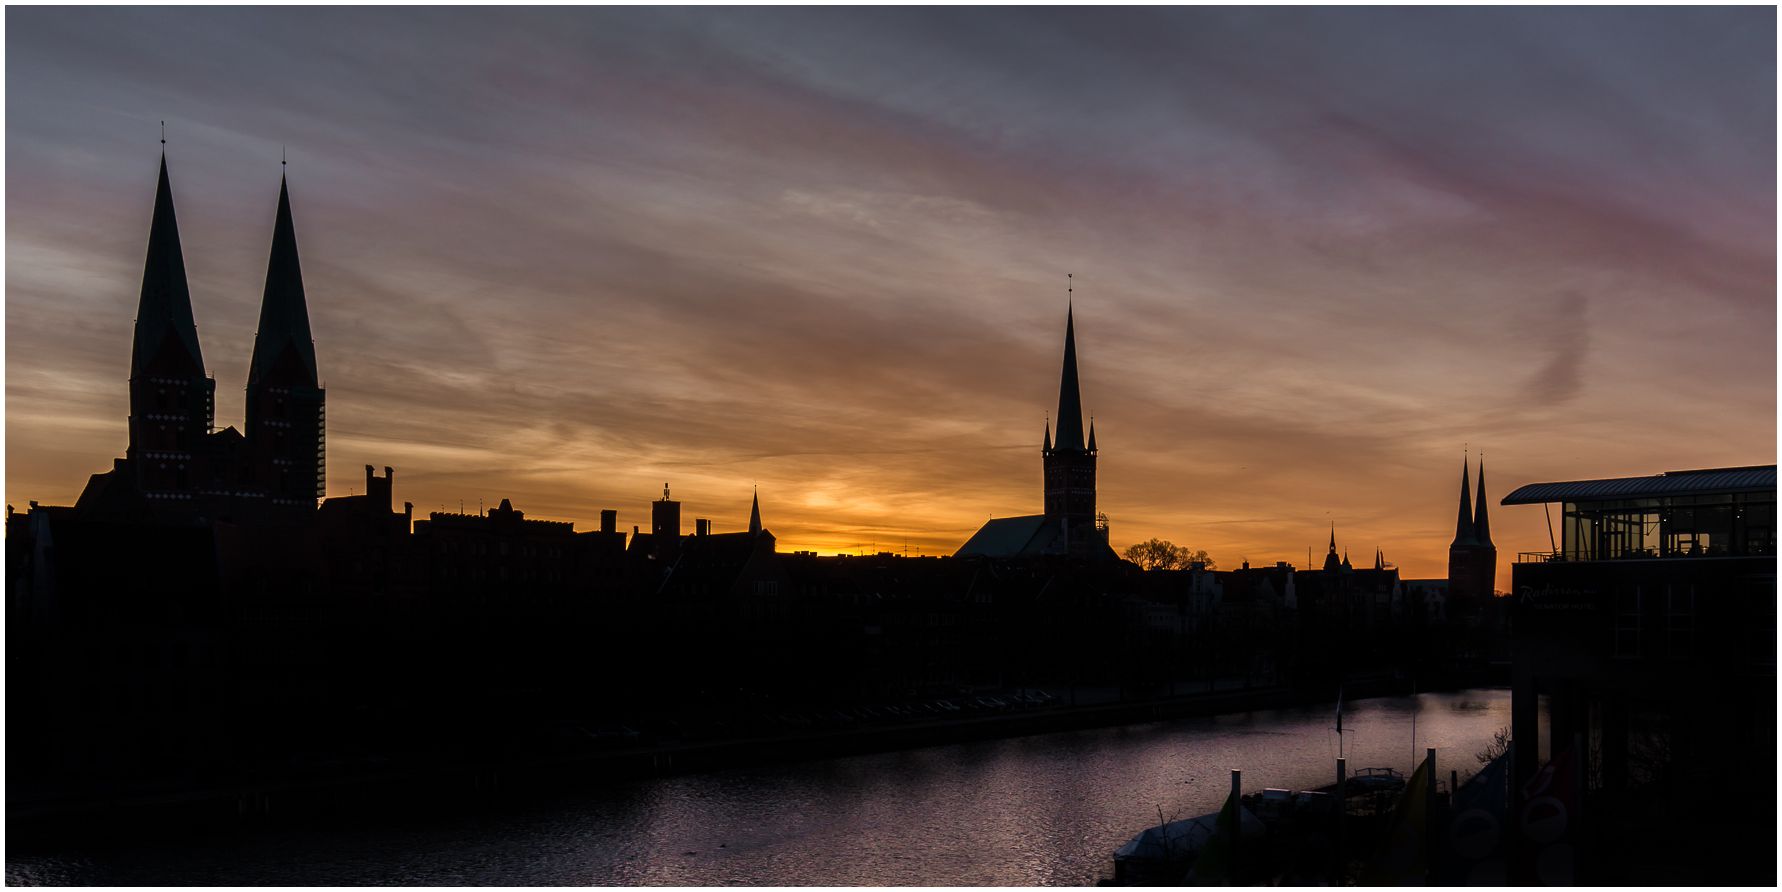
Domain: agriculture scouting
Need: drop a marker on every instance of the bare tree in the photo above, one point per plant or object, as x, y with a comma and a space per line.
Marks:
1500, 744
1162, 554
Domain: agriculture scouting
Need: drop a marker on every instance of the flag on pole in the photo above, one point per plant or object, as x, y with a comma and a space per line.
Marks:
1403, 858
1472, 848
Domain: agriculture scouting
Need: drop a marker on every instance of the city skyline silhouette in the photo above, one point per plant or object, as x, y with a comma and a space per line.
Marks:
846, 291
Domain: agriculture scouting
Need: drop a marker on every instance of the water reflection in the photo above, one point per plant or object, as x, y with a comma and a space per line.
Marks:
1042, 810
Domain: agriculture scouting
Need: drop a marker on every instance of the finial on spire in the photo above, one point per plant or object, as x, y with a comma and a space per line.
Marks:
665, 492
281, 156
163, 133
1070, 290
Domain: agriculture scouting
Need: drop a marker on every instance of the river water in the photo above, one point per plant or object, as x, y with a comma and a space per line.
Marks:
1041, 810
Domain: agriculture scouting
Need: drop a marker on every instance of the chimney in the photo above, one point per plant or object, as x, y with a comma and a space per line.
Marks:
702, 527
609, 520
408, 516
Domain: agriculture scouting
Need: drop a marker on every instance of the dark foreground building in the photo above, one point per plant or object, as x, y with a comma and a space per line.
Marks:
1651, 630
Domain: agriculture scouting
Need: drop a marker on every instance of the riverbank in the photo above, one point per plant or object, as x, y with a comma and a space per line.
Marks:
463, 785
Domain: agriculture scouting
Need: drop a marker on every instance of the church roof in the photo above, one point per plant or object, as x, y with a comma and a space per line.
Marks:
164, 310
284, 314
1010, 537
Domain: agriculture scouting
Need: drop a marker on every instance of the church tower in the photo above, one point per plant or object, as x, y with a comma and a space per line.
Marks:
285, 419
172, 400
1472, 557
1069, 461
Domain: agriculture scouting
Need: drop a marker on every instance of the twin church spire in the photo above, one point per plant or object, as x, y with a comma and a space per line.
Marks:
1472, 558
173, 450
1474, 524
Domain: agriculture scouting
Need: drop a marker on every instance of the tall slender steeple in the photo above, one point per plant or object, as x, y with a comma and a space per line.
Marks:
1379, 559
166, 336
285, 402
755, 514
284, 314
1463, 528
1069, 466
1481, 521
1070, 397
172, 400
1047, 447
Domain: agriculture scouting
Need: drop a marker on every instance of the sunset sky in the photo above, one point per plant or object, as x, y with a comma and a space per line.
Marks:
562, 256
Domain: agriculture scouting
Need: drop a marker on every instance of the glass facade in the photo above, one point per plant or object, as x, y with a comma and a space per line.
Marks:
1672, 526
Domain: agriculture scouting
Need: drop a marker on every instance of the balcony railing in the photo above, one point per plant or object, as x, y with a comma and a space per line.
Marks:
1635, 554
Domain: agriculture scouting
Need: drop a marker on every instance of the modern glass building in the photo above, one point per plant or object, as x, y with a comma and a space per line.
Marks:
1714, 513
1649, 627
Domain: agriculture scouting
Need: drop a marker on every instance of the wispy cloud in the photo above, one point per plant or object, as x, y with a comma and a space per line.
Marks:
564, 255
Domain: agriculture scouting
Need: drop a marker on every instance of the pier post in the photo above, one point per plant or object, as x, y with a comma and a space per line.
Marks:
1237, 825
1429, 792
1342, 859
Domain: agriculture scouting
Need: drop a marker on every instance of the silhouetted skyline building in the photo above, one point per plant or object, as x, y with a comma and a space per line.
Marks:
177, 465
1472, 557
1070, 526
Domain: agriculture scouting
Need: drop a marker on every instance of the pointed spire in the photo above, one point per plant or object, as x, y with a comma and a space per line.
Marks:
284, 314
1463, 528
1333, 538
755, 513
1070, 398
1379, 559
1346, 564
1092, 433
164, 309
1481, 522
1048, 444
